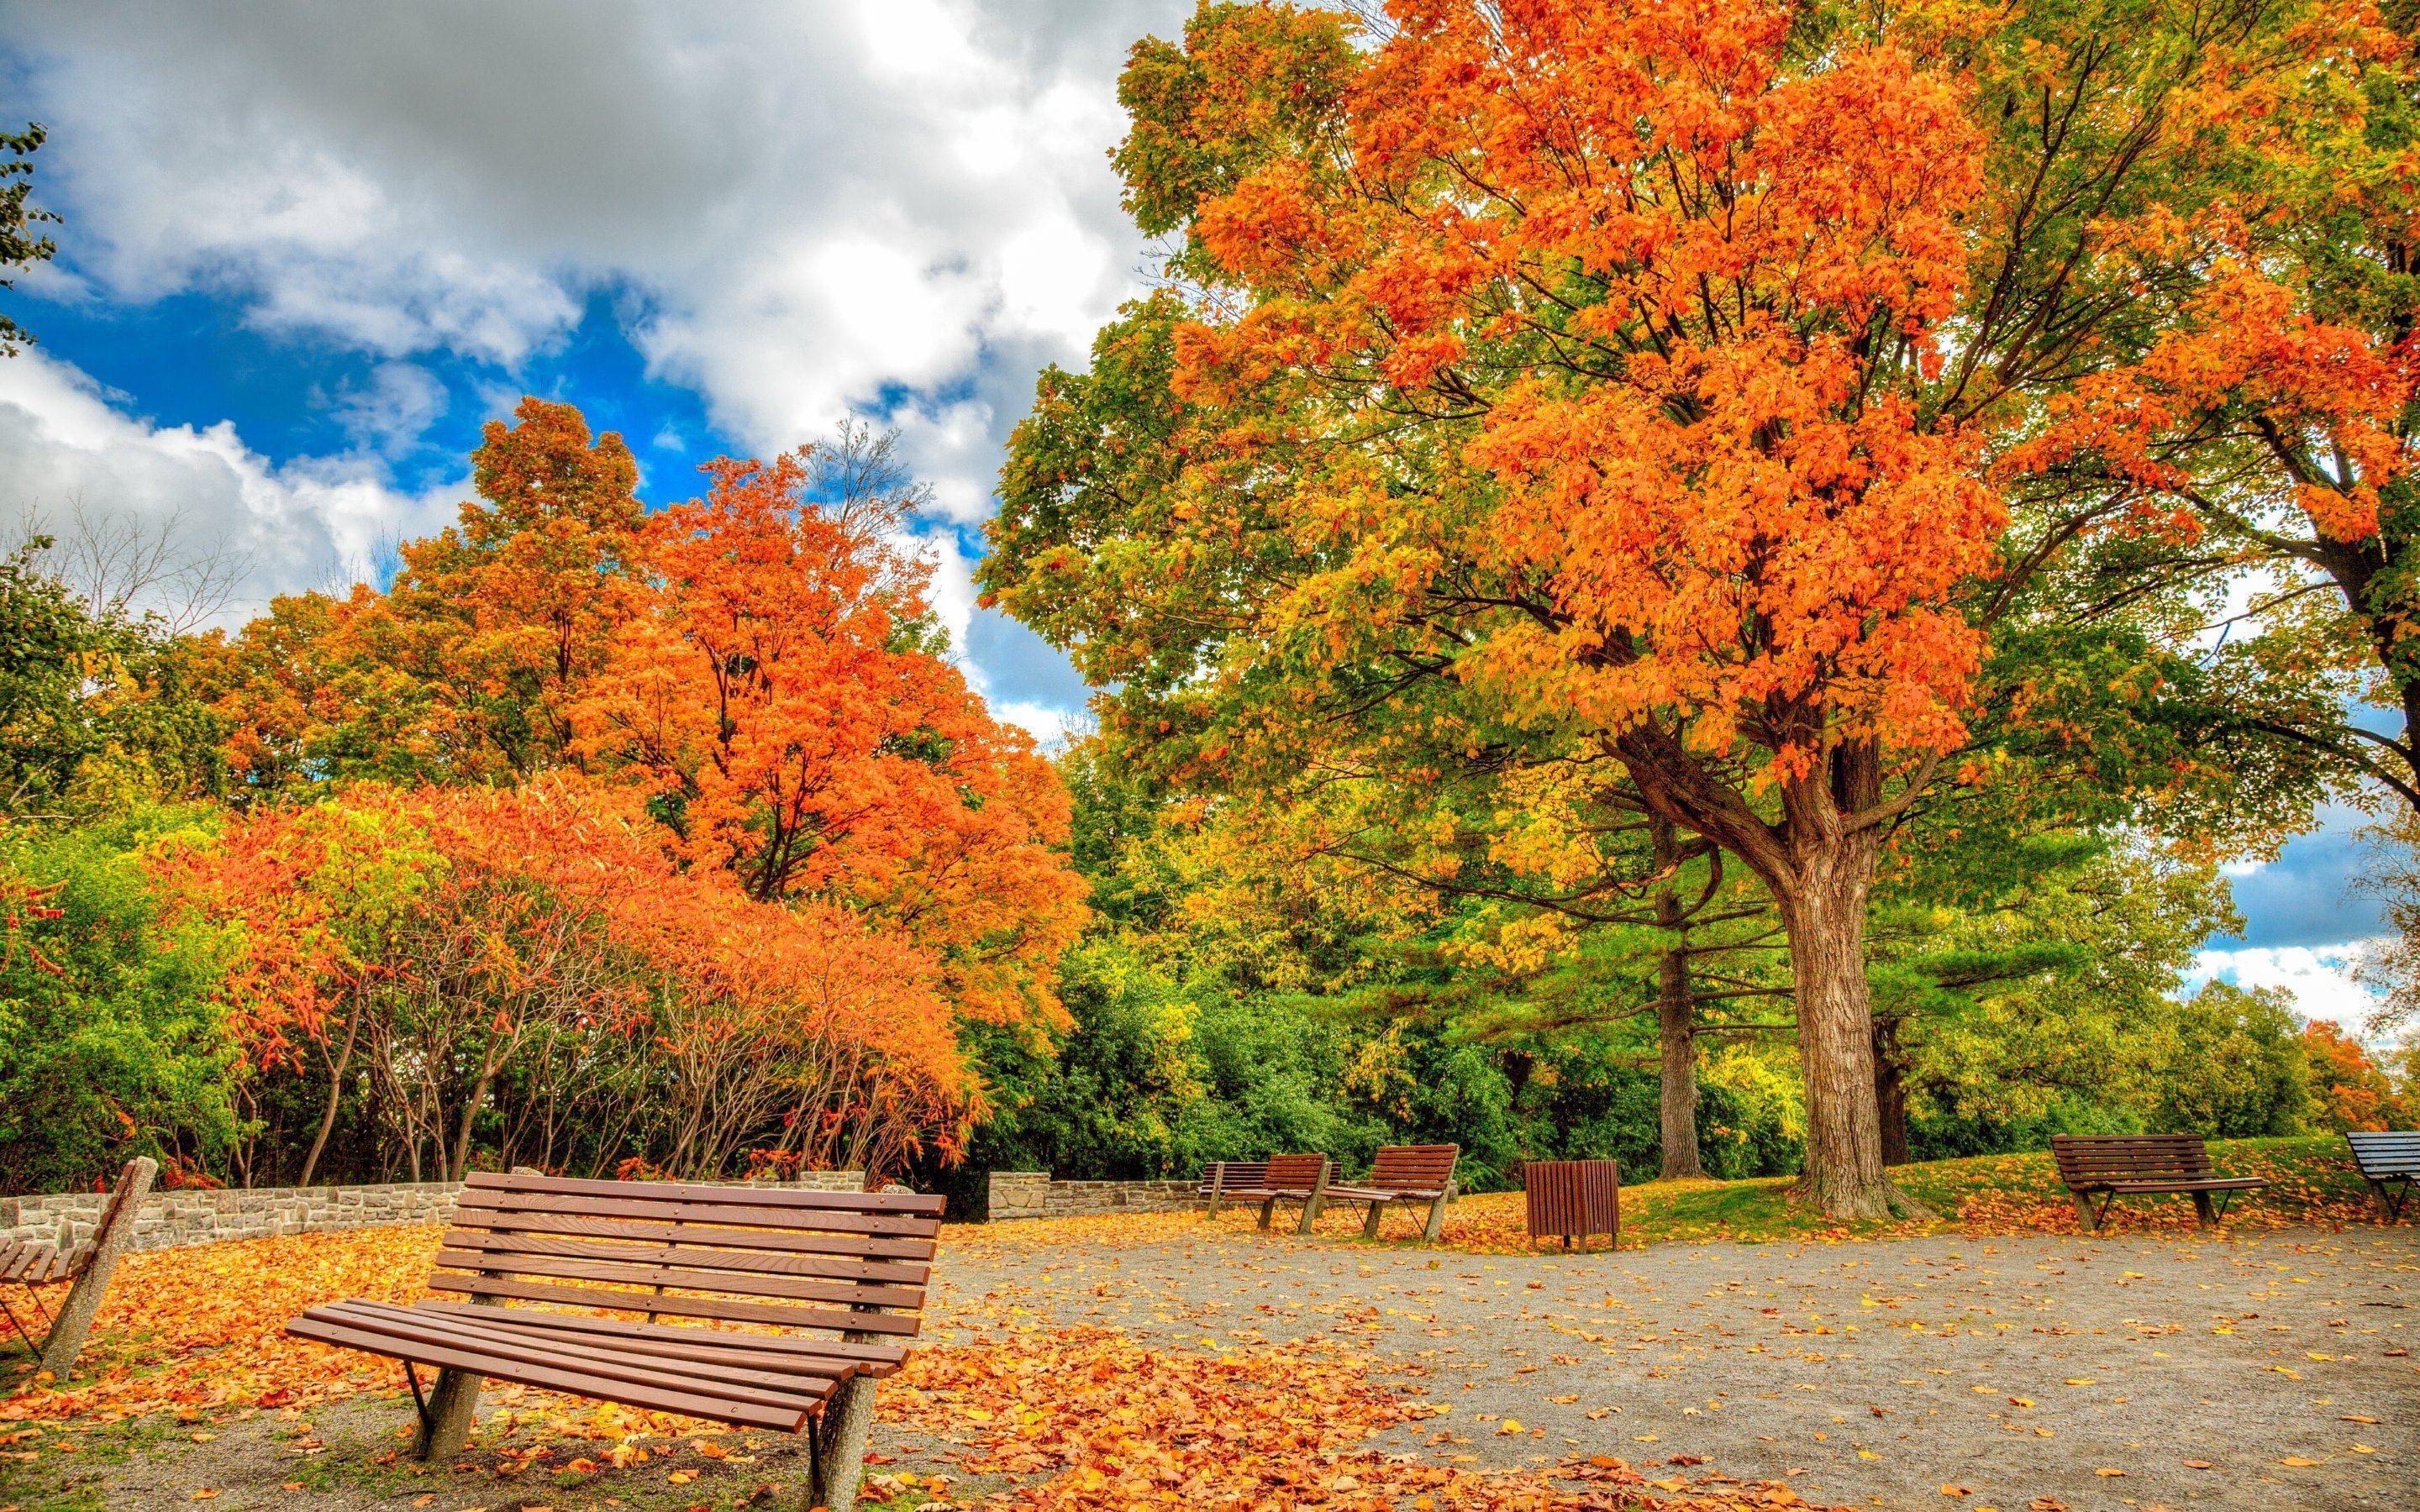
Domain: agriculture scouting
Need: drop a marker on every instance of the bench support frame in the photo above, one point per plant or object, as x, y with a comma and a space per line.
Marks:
2207, 1211
2390, 1200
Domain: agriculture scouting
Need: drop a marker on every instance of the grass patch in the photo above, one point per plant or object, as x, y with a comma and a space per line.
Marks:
2312, 1181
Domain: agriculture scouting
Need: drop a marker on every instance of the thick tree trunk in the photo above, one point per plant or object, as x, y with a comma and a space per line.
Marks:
1826, 915
1676, 1013
1890, 1092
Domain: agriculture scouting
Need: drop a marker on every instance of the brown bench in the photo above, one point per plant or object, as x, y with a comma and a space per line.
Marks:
848, 1264
1285, 1178
1401, 1173
85, 1268
1223, 1178
2114, 1165
2388, 1159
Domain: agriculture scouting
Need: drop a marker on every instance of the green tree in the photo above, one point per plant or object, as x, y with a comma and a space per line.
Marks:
22, 245
112, 1040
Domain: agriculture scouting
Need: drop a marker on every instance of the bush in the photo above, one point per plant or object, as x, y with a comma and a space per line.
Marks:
112, 1043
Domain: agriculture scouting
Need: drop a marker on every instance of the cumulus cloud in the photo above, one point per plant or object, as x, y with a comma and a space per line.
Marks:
895, 205
65, 448
2321, 978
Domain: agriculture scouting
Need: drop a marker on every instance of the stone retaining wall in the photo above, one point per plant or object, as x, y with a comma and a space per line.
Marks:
169, 1220
1034, 1195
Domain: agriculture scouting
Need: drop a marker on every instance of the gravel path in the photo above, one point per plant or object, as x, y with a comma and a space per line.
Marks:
2266, 1371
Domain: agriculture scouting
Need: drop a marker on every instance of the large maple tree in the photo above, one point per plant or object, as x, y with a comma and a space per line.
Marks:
1647, 373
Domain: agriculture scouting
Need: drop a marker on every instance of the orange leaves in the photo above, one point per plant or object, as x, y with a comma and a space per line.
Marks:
775, 685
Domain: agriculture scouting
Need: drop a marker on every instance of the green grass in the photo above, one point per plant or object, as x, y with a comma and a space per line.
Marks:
2312, 1181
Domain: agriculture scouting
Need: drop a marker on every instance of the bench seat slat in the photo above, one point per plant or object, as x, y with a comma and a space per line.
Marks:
484, 1362
685, 1276
676, 1306
763, 1366
1386, 1193
2212, 1184
639, 1360
878, 1359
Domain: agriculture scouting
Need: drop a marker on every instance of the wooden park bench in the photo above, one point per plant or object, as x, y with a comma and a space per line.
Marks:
848, 1264
2111, 1166
1223, 1178
2389, 1160
1282, 1178
1400, 1173
85, 1268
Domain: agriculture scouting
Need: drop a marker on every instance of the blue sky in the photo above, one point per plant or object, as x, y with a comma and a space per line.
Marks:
308, 252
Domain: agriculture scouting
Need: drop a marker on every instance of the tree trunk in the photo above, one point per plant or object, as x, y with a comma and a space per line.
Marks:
1890, 1091
335, 1096
1676, 1020
1826, 915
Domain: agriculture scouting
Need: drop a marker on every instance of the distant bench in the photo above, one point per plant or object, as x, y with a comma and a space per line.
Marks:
1278, 1179
1401, 1173
2389, 1160
2110, 1166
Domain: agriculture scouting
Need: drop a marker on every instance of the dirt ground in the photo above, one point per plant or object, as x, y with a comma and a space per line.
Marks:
2100, 1373
2253, 1371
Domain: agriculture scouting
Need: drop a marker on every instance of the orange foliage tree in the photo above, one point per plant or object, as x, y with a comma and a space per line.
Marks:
776, 691
2352, 1091
1638, 372
463, 936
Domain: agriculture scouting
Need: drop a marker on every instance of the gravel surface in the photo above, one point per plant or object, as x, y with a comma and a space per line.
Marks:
2101, 1373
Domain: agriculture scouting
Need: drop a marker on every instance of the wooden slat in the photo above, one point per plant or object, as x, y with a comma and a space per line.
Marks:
676, 1306
715, 1193
686, 1277
2385, 1152
879, 1357
883, 1259
703, 1346
896, 1226
1573, 1199
708, 1374
676, 1251
1413, 1165
578, 1383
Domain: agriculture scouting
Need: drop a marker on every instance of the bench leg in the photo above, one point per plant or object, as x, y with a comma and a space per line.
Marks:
451, 1405
1435, 1230
1369, 1225
1268, 1211
840, 1431
66, 1338
2203, 1212
1314, 1203
2083, 1213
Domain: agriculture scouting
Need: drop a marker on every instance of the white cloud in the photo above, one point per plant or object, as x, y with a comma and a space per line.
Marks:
822, 208
306, 523
2321, 978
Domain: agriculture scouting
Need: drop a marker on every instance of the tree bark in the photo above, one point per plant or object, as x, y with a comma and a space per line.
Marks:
1890, 1091
1676, 1020
1825, 914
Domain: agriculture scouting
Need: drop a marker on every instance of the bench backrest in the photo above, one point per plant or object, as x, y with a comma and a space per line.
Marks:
848, 1262
2390, 1152
2084, 1159
1414, 1167
1293, 1173
1235, 1175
